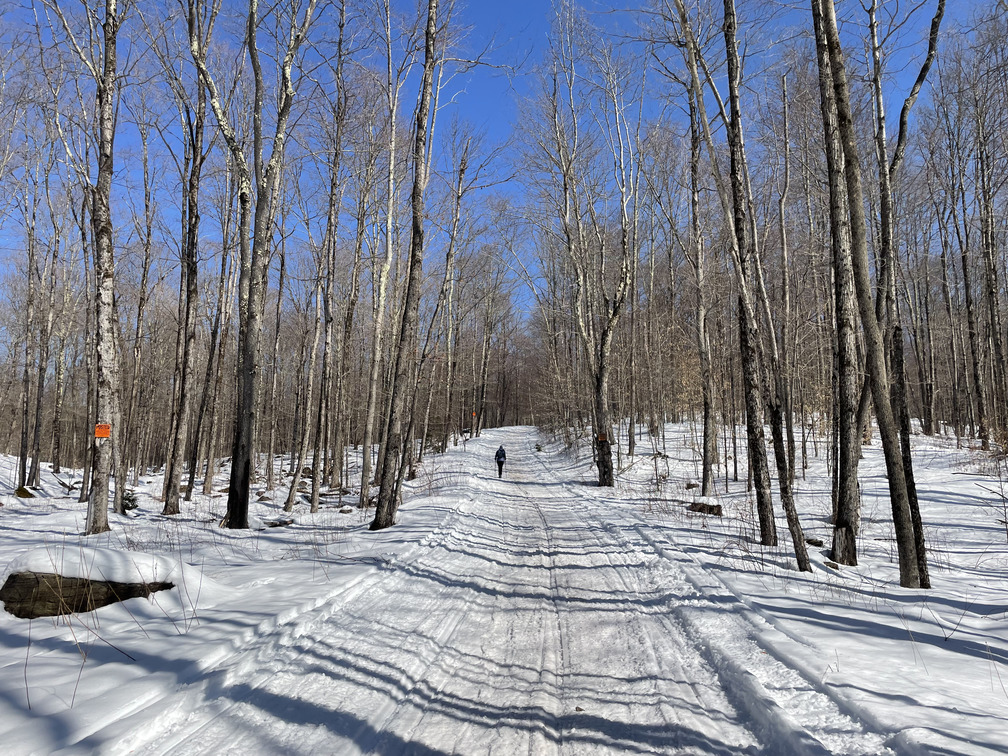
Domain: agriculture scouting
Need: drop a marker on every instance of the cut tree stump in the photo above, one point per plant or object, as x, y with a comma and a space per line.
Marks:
40, 594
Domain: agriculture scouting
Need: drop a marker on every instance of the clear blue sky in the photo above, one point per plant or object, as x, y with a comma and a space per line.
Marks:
517, 29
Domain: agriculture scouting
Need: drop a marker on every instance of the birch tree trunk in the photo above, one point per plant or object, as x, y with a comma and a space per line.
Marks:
101, 65
107, 367
379, 287
700, 275
787, 317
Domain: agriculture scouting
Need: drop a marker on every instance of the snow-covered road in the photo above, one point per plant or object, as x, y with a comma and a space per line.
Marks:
534, 614
525, 623
521, 626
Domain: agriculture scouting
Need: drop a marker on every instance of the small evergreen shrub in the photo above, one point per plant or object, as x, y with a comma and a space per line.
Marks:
130, 500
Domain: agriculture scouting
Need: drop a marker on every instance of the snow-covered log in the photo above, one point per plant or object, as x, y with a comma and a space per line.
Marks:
46, 594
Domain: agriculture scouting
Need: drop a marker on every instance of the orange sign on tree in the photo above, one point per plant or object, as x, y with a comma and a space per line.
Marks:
103, 430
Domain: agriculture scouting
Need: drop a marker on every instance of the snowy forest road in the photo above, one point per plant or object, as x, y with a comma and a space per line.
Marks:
524, 624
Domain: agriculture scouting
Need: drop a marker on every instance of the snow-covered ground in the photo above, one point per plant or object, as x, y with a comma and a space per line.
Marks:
533, 614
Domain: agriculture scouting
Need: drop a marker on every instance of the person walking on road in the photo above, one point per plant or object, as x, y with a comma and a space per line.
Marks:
500, 457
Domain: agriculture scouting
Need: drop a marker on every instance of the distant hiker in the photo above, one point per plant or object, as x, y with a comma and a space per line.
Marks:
500, 457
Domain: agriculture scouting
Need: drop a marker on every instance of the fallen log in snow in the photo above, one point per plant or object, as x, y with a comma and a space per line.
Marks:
707, 509
40, 594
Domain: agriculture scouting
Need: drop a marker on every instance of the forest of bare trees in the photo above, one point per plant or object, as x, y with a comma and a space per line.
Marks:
255, 240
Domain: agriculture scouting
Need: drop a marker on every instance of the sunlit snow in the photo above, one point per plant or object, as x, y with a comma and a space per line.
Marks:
532, 614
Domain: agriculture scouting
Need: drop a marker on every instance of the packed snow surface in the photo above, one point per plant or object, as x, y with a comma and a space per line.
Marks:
536, 613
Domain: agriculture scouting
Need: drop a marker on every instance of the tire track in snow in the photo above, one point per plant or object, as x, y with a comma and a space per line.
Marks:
552, 661
167, 720
508, 703
408, 691
787, 701
646, 689
693, 674
788, 705
523, 606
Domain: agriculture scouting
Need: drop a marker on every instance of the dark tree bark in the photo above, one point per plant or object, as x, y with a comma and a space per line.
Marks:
393, 466
255, 223
887, 315
874, 341
748, 325
847, 506
899, 400
196, 120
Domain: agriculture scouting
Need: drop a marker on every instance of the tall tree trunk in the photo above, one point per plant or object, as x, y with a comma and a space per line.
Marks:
956, 387
306, 425
146, 230
992, 287
700, 274
256, 222
379, 287
888, 175
107, 358
405, 356
176, 375
874, 341
329, 291
787, 317
735, 207
899, 400
190, 260
29, 341
748, 325
89, 351
847, 505
275, 372
45, 342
